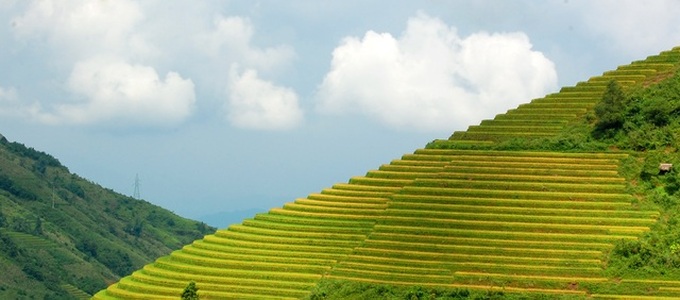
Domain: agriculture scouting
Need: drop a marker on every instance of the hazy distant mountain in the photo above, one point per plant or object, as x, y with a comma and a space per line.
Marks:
225, 218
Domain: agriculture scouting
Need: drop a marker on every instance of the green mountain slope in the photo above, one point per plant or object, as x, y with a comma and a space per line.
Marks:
559, 198
65, 237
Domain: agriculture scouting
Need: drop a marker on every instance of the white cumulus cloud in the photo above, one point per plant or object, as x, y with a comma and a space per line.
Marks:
637, 27
8, 95
231, 37
11, 104
115, 92
9, 101
430, 78
111, 53
112, 80
255, 103
83, 28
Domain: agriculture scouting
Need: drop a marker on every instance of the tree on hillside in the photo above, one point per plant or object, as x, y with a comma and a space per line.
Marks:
610, 111
190, 292
38, 229
136, 227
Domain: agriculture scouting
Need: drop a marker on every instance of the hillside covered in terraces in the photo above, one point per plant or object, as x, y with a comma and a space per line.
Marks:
561, 197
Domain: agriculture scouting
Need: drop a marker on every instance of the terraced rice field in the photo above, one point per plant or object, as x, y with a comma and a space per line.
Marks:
548, 220
277, 255
517, 221
75, 292
549, 115
27, 240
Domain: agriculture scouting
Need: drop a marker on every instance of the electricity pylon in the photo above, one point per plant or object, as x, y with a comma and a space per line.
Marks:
136, 192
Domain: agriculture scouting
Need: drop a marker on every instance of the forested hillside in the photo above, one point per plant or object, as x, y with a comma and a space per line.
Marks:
62, 236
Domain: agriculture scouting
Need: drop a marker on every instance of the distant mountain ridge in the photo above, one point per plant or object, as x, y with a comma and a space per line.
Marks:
62, 236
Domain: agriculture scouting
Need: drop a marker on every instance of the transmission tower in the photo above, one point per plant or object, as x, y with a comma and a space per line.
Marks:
136, 193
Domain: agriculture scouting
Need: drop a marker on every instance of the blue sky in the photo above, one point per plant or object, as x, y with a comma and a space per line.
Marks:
238, 105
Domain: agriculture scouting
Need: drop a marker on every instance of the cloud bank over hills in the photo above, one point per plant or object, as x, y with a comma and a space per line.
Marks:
631, 26
118, 61
119, 67
226, 89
